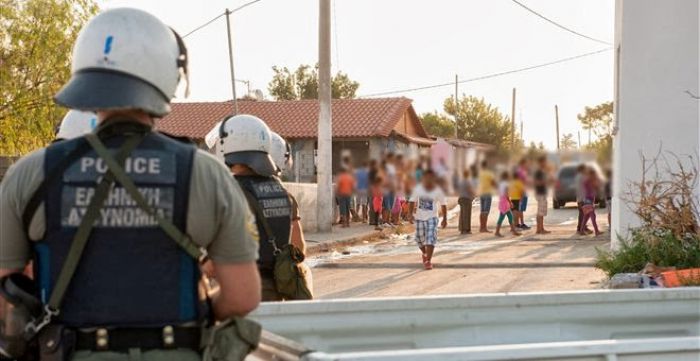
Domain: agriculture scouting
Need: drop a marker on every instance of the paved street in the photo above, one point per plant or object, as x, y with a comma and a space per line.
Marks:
478, 263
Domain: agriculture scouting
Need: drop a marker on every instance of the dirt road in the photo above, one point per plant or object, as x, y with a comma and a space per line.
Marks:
477, 263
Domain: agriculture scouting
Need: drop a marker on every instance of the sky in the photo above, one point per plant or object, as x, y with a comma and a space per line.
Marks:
389, 45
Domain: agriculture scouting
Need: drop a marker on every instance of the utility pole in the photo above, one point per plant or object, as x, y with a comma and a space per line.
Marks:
589, 136
456, 102
556, 114
512, 125
579, 139
230, 61
521, 128
324, 192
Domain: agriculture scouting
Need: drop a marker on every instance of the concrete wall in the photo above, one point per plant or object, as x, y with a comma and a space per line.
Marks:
656, 63
305, 193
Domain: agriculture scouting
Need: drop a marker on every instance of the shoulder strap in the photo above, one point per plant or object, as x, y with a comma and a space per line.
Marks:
52, 308
182, 239
260, 217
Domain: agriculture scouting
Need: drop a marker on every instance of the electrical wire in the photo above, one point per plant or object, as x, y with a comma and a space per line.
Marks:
559, 25
244, 5
218, 16
489, 76
203, 25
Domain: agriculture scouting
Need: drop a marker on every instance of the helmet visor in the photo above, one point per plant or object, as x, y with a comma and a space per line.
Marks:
99, 89
260, 162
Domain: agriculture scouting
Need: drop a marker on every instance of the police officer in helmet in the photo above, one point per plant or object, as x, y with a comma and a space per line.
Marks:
75, 124
256, 156
131, 288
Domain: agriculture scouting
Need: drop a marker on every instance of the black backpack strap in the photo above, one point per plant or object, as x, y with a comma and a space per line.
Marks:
55, 171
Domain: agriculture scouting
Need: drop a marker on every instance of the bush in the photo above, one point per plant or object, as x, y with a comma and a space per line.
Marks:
666, 204
659, 247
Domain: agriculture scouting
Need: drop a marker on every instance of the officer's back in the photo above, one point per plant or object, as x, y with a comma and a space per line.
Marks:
134, 286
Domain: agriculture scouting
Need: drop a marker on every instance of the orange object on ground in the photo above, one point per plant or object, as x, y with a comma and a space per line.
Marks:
679, 278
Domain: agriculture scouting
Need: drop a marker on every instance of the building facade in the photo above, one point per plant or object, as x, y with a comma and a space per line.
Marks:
656, 85
363, 129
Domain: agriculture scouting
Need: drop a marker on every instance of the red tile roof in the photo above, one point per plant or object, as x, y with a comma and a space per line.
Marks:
296, 118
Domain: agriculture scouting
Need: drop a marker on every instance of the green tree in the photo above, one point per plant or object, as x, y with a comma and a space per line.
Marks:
480, 121
438, 125
567, 142
600, 120
302, 83
36, 39
535, 150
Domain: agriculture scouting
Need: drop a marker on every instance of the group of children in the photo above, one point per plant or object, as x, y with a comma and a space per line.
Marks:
385, 198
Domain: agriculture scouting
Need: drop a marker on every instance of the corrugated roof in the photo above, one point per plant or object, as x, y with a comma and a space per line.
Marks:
295, 118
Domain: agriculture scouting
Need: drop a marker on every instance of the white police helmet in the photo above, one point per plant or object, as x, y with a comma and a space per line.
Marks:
245, 139
75, 124
281, 153
125, 58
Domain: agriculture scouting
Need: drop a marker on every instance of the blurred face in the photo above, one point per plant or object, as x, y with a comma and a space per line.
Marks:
429, 181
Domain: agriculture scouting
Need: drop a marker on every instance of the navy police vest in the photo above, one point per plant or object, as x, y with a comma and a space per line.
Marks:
131, 273
277, 209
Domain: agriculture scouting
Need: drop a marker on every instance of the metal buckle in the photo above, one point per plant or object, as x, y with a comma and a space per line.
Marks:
168, 337
204, 257
102, 339
33, 328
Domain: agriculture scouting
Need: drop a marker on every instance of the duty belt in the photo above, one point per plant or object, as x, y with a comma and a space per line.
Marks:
123, 339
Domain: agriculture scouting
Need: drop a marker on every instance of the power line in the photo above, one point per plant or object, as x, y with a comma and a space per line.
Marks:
203, 25
245, 5
218, 16
559, 25
489, 76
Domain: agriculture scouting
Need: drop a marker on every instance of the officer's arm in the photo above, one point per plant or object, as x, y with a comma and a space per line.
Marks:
239, 289
297, 237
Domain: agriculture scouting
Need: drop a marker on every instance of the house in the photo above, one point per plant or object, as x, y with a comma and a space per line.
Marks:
656, 88
456, 155
362, 128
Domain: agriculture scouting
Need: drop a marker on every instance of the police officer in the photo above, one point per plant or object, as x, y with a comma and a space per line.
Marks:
281, 153
75, 124
246, 144
134, 290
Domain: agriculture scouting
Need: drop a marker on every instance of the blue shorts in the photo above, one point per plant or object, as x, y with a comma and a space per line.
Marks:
388, 201
485, 203
344, 205
523, 204
426, 232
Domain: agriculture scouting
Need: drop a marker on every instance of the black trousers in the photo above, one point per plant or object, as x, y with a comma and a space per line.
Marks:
465, 214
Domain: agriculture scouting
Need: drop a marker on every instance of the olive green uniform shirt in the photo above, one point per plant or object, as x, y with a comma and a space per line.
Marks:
218, 217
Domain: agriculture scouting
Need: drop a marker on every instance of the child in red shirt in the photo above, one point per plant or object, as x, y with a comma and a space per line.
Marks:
377, 193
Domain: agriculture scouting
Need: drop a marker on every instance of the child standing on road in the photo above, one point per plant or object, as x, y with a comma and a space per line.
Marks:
345, 185
504, 206
427, 196
377, 195
590, 186
516, 193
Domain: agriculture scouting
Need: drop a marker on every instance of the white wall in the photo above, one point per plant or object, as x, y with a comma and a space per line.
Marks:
657, 62
305, 194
